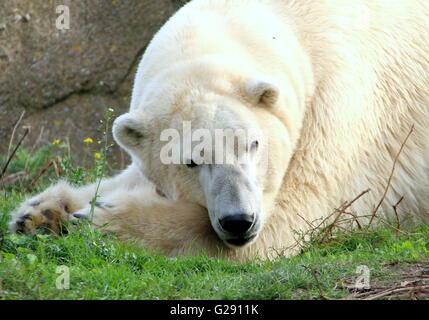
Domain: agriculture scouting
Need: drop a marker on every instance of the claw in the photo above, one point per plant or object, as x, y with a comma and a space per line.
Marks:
35, 203
102, 205
20, 226
80, 216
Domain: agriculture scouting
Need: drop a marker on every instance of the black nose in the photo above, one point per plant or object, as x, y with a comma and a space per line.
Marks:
237, 224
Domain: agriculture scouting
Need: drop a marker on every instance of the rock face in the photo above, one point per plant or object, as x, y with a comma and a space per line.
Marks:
64, 79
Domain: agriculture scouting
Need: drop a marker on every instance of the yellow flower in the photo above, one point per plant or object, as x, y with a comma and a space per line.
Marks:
56, 142
97, 155
88, 140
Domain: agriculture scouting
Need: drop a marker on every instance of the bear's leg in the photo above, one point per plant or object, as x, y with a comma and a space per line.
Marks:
49, 209
169, 227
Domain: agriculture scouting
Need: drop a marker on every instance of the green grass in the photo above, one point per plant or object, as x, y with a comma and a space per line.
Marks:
102, 268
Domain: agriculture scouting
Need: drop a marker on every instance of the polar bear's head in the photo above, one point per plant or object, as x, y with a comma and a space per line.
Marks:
203, 135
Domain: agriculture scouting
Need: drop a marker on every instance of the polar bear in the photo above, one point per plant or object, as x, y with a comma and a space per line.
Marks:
335, 93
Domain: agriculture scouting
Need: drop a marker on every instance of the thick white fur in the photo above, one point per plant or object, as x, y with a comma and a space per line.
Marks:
352, 79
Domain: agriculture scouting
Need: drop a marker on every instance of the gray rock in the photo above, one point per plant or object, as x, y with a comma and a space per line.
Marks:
65, 79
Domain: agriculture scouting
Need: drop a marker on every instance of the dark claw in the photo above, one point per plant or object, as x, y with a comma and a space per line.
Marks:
80, 216
101, 205
27, 217
98, 204
20, 223
20, 226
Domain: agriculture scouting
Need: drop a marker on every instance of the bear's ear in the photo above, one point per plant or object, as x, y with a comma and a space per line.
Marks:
262, 92
127, 131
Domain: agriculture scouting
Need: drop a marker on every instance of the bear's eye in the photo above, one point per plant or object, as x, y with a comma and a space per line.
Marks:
192, 164
254, 146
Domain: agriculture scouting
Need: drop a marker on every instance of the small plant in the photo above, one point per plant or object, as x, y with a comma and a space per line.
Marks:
100, 158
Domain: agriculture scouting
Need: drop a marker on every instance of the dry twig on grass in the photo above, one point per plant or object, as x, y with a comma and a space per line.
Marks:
316, 278
13, 133
395, 210
27, 130
51, 163
411, 283
389, 181
342, 211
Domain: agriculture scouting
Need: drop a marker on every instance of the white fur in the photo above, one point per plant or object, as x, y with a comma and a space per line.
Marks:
350, 77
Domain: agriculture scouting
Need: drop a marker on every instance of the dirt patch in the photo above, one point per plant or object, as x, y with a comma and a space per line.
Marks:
401, 281
64, 80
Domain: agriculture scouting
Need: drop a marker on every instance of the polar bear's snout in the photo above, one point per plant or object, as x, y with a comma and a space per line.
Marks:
237, 224
239, 227
234, 204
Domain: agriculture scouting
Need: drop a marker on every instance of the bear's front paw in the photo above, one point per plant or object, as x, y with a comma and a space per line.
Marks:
40, 216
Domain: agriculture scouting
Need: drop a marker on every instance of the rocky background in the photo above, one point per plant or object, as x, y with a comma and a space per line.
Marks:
62, 81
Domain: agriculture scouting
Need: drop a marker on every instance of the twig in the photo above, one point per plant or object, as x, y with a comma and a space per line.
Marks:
356, 218
341, 210
42, 172
393, 227
13, 133
306, 221
57, 170
389, 181
396, 290
27, 130
319, 287
395, 210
